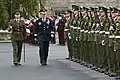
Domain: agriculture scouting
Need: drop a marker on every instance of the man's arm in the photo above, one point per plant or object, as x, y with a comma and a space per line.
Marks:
51, 25
10, 25
52, 28
36, 30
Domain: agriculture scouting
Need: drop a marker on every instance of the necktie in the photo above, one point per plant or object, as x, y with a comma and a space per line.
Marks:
17, 20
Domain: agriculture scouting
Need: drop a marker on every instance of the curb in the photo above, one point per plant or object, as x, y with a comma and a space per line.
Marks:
8, 41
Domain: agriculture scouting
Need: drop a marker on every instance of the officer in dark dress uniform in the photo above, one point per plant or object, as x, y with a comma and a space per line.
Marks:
43, 30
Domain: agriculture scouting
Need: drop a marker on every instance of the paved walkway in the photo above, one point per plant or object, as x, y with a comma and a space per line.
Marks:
58, 67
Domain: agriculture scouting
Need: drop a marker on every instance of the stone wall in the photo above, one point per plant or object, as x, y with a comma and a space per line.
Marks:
5, 35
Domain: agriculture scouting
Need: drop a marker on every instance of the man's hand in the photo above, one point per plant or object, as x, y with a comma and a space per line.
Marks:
35, 39
10, 28
35, 35
52, 35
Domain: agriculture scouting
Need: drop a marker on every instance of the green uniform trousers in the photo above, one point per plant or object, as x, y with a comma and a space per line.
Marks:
17, 49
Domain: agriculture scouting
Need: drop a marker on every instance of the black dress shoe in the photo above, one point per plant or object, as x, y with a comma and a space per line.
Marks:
102, 70
43, 63
15, 64
117, 78
68, 58
93, 68
62, 44
112, 74
107, 72
18, 64
82, 63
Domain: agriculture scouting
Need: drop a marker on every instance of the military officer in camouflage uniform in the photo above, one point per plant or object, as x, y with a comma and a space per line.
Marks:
18, 28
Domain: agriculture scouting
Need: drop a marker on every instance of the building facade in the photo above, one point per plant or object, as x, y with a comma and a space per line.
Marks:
57, 5
88, 3
60, 5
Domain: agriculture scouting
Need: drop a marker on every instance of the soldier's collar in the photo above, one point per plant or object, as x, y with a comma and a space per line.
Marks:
17, 19
44, 18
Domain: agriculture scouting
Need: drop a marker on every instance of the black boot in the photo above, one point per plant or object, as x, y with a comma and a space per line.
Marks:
43, 63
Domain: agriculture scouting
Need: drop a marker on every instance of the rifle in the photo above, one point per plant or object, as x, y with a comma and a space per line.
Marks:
92, 20
80, 16
97, 19
112, 23
95, 15
87, 22
81, 13
106, 21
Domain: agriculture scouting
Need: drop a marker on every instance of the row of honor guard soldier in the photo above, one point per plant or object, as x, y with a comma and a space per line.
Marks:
93, 39
18, 29
44, 28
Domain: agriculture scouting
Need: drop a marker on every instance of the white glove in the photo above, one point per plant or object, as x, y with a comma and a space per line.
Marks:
52, 32
11, 27
52, 35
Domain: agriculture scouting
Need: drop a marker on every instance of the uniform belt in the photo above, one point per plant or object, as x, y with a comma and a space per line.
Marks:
102, 32
92, 31
107, 32
111, 36
97, 31
81, 30
17, 32
117, 37
74, 27
86, 31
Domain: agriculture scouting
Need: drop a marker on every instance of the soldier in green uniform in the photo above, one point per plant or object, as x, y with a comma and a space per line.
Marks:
110, 46
102, 40
18, 28
117, 44
73, 29
68, 31
81, 37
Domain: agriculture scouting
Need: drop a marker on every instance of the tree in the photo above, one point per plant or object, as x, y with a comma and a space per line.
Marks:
7, 7
3, 15
42, 3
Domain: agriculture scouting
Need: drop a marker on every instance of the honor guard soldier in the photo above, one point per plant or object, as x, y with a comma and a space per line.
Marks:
60, 30
53, 39
43, 30
18, 28
117, 44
